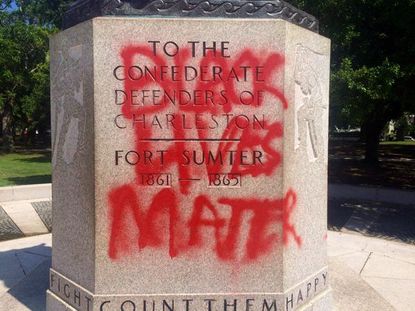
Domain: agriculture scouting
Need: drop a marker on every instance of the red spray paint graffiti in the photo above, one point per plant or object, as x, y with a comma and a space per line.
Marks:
266, 213
245, 147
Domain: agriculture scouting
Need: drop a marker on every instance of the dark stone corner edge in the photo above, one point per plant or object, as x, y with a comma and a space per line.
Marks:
83, 10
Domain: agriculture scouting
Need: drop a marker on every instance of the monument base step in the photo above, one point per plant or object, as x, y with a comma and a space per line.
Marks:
298, 297
322, 302
54, 303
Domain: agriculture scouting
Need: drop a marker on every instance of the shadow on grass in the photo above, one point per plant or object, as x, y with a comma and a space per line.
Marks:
45, 158
29, 180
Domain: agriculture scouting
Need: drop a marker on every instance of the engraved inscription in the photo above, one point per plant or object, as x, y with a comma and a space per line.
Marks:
292, 299
225, 180
207, 119
155, 180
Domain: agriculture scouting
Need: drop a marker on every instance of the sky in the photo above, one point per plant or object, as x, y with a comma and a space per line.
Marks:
13, 7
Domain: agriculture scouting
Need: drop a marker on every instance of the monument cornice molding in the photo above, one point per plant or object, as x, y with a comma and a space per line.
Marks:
83, 10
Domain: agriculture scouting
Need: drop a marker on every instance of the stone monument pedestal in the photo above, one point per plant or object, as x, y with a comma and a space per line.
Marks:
190, 166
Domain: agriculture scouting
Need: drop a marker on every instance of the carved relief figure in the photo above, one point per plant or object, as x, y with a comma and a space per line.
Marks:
68, 111
309, 103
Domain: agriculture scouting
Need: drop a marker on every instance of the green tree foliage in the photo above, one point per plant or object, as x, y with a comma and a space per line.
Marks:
24, 78
43, 12
24, 61
5, 4
373, 68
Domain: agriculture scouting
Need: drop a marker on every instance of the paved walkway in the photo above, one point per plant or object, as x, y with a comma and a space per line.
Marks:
394, 222
371, 269
387, 266
367, 274
389, 221
25, 211
24, 273
25, 218
377, 212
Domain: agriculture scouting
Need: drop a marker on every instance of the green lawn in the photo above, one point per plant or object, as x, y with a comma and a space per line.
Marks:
25, 168
399, 143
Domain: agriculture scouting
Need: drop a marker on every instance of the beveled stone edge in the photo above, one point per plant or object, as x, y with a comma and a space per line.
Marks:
67, 290
63, 306
304, 287
25, 192
83, 300
83, 10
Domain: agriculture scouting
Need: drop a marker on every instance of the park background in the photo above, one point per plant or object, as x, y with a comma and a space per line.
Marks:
372, 100
371, 207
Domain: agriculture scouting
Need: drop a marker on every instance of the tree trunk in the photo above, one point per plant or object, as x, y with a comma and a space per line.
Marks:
373, 130
1, 126
7, 124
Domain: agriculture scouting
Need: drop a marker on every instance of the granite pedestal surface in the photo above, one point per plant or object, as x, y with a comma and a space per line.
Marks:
189, 165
